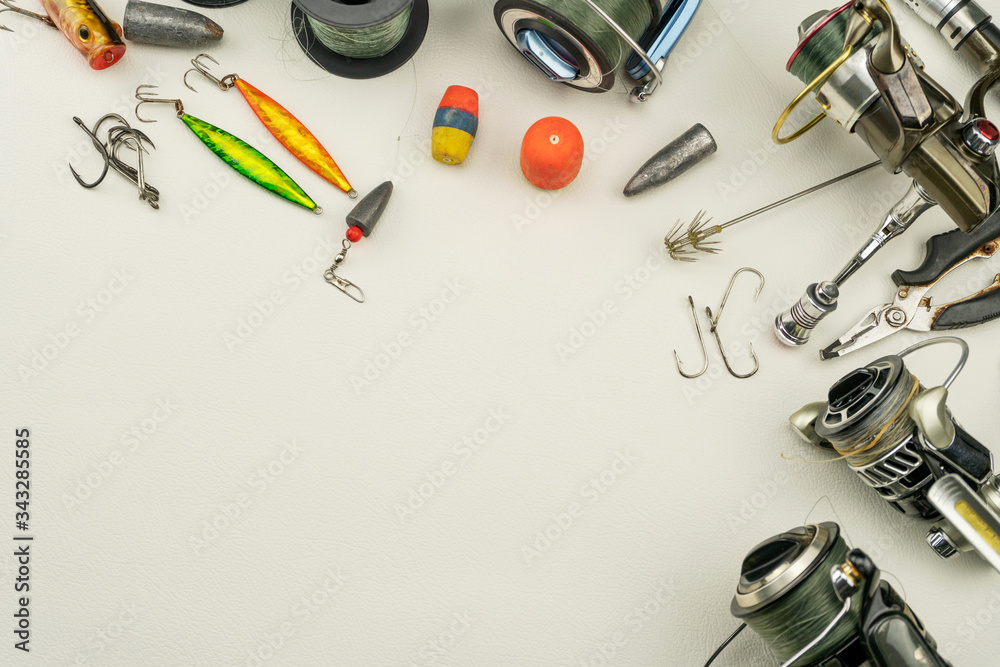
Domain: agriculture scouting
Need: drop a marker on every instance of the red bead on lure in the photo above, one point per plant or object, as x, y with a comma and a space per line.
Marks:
285, 127
85, 25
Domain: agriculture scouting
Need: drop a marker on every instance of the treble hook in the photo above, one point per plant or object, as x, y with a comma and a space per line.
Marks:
100, 147
343, 284
24, 12
714, 321
153, 99
225, 83
701, 339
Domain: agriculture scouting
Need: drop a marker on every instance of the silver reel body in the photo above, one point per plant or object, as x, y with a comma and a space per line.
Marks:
921, 461
878, 90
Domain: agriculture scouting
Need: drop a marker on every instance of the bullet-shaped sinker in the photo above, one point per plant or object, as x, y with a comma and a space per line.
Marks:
149, 23
368, 211
673, 160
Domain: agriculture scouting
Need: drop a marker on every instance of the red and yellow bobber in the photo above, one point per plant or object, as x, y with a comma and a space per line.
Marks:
455, 125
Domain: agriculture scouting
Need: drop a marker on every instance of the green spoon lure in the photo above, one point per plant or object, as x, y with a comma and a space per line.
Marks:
238, 154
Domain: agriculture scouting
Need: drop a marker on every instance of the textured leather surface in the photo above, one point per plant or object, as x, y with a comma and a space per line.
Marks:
211, 541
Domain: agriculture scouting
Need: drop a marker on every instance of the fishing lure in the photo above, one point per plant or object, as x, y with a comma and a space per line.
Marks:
84, 24
285, 127
235, 152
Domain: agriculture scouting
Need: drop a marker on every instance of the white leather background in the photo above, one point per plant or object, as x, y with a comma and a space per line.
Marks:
211, 541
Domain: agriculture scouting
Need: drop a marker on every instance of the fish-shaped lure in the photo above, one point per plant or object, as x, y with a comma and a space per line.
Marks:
238, 154
85, 25
280, 122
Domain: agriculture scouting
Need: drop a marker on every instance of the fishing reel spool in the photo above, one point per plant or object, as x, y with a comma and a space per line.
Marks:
863, 74
816, 602
582, 43
360, 39
902, 441
214, 4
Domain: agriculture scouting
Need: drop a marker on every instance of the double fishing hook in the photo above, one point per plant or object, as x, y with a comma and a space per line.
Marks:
225, 83
11, 7
149, 98
714, 321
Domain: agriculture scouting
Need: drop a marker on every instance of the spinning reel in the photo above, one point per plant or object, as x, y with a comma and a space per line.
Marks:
582, 43
903, 441
817, 604
862, 73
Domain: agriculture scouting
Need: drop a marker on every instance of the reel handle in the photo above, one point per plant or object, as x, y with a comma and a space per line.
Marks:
948, 250
968, 514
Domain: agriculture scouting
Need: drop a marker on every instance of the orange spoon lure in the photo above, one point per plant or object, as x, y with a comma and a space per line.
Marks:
285, 127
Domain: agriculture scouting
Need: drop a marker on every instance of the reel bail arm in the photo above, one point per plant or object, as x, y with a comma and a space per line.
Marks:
567, 49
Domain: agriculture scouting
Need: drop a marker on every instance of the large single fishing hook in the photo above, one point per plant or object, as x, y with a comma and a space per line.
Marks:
714, 321
137, 175
151, 98
100, 147
704, 349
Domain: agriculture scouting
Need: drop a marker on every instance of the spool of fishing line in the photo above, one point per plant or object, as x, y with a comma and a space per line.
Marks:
214, 4
869, 421
573, 43
360, 39
868, 415
786, 596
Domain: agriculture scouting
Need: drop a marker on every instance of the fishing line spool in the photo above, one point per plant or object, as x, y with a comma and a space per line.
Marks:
214, 4
903, 442
814, 601
583, 43
784, 593
360, 39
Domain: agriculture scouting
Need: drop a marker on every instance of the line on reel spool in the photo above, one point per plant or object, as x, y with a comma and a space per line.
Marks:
360, 40
785, 594
583, 43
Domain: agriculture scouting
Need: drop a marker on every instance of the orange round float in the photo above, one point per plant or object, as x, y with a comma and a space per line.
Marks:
552, 153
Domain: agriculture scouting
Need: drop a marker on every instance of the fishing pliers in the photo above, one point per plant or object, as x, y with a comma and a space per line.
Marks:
912, 309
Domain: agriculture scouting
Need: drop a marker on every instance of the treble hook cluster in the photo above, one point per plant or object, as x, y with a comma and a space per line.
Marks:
118, 137
713, 321
684, 242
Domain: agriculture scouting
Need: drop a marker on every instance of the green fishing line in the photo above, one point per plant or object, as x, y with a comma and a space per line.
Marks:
634, 16
824, 47
368, 42
802, 614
